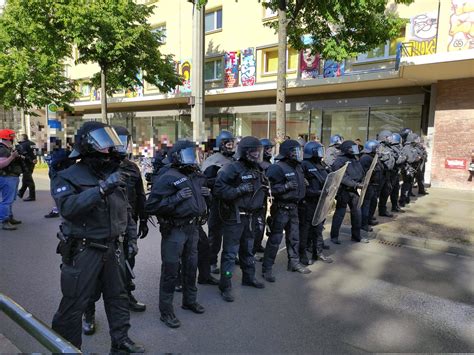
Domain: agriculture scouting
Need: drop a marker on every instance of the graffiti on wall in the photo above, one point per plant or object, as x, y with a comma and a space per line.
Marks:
333, 69
309, 64
137, 89
461, 32
248, 67
231, 69
422, 35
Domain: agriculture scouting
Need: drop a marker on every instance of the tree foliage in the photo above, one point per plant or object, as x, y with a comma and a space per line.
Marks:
339, 29
32, 48
116, 35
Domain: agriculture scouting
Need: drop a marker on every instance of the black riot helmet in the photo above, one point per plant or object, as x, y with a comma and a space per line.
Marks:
126, 139
412, 138
267, 148
250, 149
183, 153
223, 141
94, 138
291, 150
350, 148
404, 132
384, 136
313, 150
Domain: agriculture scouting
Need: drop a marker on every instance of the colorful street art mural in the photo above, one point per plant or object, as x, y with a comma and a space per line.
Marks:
461, 32
137, 89
333, 69
248, 67
184, 69
231, 69
422, 35
309, 64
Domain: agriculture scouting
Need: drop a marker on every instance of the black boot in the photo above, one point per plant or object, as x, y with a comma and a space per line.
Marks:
268, 276
209, 281
304, 258
127, 346
14, 221
253, 283
134, 305
227, 295
88, 323
195, 307
170, 320
298, 267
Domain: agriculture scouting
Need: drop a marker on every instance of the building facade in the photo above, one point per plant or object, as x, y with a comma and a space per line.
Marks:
422, 80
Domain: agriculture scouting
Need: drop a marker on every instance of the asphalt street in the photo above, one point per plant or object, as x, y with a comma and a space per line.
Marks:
373, 298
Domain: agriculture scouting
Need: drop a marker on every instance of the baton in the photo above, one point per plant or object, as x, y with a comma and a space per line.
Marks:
129, 268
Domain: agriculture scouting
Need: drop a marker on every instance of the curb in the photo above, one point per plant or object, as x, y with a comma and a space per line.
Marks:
432, 244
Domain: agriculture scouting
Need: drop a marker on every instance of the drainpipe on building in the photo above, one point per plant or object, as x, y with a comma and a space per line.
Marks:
197, 77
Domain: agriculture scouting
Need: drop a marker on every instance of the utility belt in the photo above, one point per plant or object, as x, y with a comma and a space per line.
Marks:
348, 188
248, 213
286, 205
180, 222
68, 247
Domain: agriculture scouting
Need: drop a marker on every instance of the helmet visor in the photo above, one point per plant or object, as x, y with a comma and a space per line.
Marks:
104, 138
296, 153
189, 156
127, 144
355, 149
255, 154
319, 152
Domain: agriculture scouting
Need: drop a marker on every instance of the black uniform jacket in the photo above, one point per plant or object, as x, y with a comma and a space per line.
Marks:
135, 189
231, 176
279, 174
163, 201
316, 175
85, 212
366, 162
354, 172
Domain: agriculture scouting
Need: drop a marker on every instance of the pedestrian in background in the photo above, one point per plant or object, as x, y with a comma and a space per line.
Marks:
28, 150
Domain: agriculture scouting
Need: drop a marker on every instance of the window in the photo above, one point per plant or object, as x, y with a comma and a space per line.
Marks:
213, 21
384, 51
269, 13
213, 70
161, 29
270, 60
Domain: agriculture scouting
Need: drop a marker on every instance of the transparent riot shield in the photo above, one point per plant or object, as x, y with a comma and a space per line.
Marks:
366, 181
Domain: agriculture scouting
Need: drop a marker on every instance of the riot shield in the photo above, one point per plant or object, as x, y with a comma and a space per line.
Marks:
215, 159
366, 181
331, 185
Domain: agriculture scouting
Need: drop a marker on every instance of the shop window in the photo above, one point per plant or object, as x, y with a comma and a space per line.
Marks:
394, 118
213, 70
351, 123
161, 29
213, 21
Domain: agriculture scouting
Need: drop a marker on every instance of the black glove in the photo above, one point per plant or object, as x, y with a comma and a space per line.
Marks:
184, 194
205, 191
132, 248
245, 188
142, 228
291, 185
112, 182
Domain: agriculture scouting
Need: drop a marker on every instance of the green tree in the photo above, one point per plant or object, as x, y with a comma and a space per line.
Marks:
32, 49
116, 35
338, 29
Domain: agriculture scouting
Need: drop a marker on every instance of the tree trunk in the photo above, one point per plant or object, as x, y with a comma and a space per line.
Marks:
103, 96
281, 78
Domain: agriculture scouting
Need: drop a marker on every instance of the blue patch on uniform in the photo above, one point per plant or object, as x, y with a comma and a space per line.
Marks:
312, 170
247, 177
290, 174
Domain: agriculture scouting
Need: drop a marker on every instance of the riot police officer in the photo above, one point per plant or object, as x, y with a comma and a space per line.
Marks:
371, 195
315, 172
334, 149
395, 175
260, 220
240, 186
413, 159
210, 167
347, 194
288, 188
420, 172
92, 201
404, 132
178, 199
387, 158
28, 151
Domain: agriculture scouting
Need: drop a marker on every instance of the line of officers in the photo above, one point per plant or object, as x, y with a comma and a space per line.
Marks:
104, 211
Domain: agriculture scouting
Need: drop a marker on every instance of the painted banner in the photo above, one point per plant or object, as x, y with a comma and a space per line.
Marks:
309, 64
248, 67
461, 32
184, 69
422, 35
455, 163
333, 69
231, 69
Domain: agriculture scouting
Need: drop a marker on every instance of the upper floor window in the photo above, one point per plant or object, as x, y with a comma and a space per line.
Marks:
270, 60
269, 13
162, 29
213, 21
213, 70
